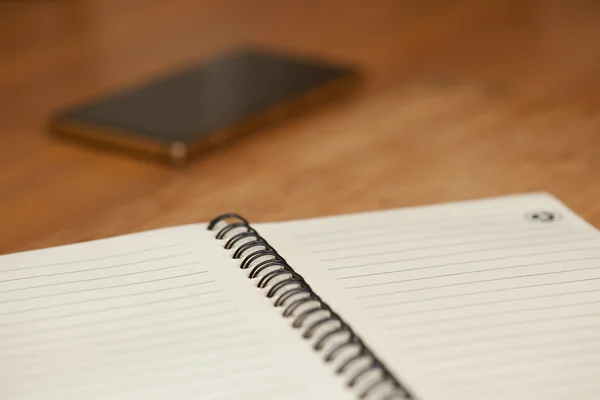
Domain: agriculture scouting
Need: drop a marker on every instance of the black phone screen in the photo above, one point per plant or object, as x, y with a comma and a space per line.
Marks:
194, 102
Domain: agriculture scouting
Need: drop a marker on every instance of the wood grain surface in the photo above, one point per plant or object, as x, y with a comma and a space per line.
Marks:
461, 100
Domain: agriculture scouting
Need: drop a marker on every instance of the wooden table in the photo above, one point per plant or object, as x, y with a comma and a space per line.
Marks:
479, 98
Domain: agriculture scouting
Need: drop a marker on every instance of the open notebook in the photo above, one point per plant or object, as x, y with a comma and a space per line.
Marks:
487, 299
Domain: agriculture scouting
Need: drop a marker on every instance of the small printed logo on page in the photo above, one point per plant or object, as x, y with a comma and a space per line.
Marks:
543, 216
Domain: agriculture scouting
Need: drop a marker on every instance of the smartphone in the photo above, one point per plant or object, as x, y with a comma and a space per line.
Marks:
176, 116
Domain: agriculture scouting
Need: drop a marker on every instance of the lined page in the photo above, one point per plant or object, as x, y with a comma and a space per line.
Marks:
490, 299
156, 314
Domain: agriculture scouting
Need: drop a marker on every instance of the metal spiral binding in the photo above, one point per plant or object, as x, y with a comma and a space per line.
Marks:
308, 312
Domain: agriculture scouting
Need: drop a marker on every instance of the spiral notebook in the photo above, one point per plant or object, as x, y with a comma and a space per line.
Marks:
487, 299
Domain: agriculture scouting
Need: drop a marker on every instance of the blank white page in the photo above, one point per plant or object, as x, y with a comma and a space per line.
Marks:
160, 314
488, 299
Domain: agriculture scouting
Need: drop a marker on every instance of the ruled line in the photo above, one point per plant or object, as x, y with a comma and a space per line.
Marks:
487, 326
95, 269
93, 259
497, 279
511, 247
241, 371
570, 383
467, 262
466, 242
487, 291
506, 361
521, 335
101, 278
482, 303
173, 335
410, 224
531, 372
462, 262
501, 387
246, 371
109, 298
169, 370
488, 270
483, 231
274, 392
504, 312
493, 270
248, 357
388, 231
104, 321
248, 354
88, 312
582, 388
145, 327
459, 263
104, 287
217, 378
